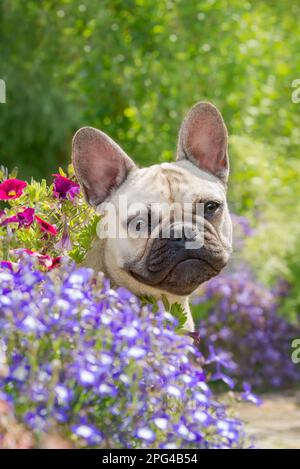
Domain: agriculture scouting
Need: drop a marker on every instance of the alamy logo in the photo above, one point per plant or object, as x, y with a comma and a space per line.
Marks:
2, 92
137, 220
296, 92
296, 352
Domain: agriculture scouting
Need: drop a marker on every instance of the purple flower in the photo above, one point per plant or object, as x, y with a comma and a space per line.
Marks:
145, 433
107, 389
162, 422
136, 352
243, 223
8, 265
183, 431
203, 417
173, 391
223, 377
24, 219
64, 188
63, 394
242, 335
80, 277
247, 395
36, 420
86, 377
88, 360
64, 244
87, 432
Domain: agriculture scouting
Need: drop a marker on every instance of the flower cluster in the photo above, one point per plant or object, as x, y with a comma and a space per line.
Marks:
43, 220
93, 363
238, 317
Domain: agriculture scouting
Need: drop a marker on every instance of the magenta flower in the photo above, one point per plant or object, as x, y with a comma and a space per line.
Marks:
11, 189
55, 262
46, 261
46, 227
65, 188
24, 218
8, 265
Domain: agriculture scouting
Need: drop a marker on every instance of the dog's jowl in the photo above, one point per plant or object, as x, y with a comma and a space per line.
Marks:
165, 229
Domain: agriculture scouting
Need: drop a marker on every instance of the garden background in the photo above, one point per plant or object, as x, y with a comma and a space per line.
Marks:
133, 69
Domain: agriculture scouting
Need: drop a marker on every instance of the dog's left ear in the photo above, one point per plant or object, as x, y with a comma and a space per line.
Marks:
203, 140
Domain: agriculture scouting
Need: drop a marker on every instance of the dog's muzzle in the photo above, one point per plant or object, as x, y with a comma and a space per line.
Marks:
179, 263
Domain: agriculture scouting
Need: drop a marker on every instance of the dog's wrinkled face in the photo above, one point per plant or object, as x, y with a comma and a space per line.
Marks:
155, 250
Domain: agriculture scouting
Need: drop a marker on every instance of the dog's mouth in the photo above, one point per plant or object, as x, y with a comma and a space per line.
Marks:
182, 278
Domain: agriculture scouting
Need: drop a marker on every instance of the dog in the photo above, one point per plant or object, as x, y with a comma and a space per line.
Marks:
152, 264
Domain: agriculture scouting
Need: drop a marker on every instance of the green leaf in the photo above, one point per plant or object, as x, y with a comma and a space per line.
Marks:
84, 240
178, 313
61, 172
166, 302
149, 300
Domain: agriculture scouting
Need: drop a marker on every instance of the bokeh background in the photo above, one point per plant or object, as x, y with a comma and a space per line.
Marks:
133, 68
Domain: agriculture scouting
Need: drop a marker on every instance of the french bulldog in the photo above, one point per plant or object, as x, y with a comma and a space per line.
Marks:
149, 263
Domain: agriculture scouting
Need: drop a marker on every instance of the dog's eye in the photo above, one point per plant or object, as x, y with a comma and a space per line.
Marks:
140, 225
138, 228
210, 208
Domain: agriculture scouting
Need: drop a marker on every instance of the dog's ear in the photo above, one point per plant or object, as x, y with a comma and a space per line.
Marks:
203, 140
100, 164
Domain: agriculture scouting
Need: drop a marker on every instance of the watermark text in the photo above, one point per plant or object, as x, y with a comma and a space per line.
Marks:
2, 92
296, 93
296, 351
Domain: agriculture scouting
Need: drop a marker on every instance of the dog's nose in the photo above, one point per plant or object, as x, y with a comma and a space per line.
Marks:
182, 235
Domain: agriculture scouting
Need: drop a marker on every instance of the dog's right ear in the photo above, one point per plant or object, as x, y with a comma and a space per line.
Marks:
100, 165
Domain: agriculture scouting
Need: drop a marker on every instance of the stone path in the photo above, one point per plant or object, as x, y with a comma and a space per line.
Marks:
276, 423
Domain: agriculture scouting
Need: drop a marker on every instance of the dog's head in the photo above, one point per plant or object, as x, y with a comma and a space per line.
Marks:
156, 249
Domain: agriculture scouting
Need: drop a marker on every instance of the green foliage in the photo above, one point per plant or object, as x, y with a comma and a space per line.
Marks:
84, 240
269, 200
133, 68
176, 310
149, 300
178, 313
202, 311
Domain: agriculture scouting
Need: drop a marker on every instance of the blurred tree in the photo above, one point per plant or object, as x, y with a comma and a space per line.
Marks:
134, 67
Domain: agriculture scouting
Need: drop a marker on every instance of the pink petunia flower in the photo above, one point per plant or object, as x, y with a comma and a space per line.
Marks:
65, 188
55, 262
46, 227
24, 218
46, 261
11, 189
